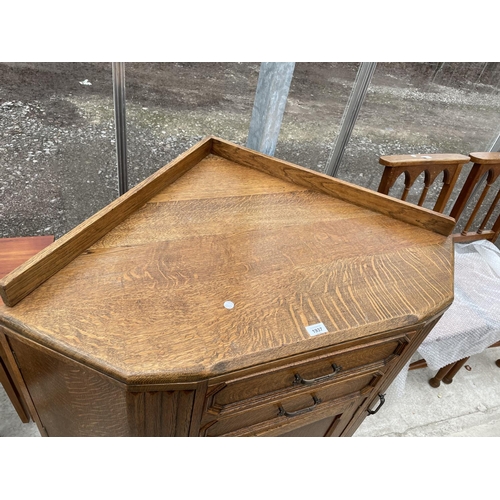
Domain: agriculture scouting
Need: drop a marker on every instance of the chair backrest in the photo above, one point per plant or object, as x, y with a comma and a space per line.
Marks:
485, 165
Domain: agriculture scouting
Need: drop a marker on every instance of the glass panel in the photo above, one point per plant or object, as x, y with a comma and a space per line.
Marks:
423, 108
57, 151
318, 96
171, 106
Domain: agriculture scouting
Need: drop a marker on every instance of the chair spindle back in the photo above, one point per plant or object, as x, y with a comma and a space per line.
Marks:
485, 165
432, 165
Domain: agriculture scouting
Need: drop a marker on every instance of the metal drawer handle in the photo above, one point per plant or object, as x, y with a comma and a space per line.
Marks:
382, 401
285, 413
299, 380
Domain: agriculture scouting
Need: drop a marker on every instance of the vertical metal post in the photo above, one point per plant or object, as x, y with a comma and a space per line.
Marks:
495, 147
351, 111
269, 105
120, 124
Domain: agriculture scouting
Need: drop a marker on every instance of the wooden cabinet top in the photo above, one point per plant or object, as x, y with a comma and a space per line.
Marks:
220, 260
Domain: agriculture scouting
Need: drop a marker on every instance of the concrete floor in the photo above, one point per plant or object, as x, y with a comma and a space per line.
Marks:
470, 406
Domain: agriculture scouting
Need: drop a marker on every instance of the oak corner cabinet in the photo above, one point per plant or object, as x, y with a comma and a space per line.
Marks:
229, 294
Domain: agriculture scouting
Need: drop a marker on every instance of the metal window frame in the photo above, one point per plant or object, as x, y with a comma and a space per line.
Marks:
351, 112
495, 147
118, 72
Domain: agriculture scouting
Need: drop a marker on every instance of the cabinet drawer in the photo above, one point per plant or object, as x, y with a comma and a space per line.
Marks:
327, 421
328, 367
274, 412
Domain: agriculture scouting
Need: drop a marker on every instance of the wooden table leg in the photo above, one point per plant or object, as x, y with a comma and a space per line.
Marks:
436, 380
448, 379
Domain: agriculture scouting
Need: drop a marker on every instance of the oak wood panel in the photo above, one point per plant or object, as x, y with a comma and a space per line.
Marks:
13, 253
140, 302
250, 217
341, 422
216, 177
335, 389
316, 428
13, 393
70, 399
198, 408
23, 280
403, 211
299, 358
163, 413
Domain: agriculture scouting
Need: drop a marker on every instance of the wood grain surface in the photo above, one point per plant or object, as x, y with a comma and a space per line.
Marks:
24, 279
378, 202
70, 399
420, 159
485, 158
145, 301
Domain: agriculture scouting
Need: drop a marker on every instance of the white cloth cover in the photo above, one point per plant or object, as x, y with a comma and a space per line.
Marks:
472, 322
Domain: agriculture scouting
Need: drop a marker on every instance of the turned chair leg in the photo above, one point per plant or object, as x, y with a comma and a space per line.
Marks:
436, 380
448, 378
447, 373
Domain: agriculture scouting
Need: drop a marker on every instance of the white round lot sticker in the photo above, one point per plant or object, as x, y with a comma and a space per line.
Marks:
228, 304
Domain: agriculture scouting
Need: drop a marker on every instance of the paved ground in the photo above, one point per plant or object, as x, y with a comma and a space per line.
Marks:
469, 407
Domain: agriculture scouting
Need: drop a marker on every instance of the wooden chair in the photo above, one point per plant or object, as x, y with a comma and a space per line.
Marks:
13, 252
486, 166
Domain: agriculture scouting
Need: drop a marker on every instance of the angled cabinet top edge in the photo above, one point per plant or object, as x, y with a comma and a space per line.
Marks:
398, 209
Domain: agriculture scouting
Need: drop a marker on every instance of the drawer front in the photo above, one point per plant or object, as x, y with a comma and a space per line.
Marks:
280, 411
325, 422
338, 413
324, 368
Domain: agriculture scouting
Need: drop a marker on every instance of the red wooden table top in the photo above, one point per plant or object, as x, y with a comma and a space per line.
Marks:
15, 251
